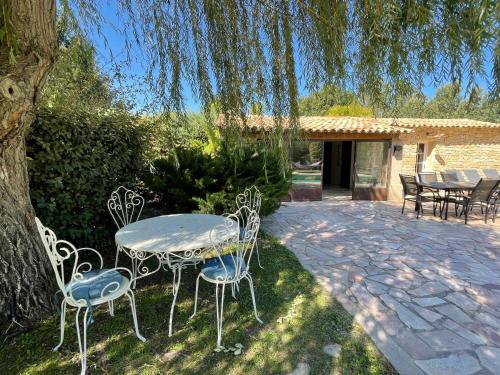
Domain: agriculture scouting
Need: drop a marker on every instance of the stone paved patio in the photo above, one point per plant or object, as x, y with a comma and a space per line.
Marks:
427, 291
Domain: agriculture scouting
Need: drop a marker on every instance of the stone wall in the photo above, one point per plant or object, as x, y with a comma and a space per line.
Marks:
446, 148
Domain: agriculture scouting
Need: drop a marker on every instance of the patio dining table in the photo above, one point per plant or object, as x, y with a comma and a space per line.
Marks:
447, 187
175, 241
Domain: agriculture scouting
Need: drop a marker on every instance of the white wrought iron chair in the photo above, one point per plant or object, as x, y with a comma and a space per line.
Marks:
251, 198
230, 267
87, 286
125, 206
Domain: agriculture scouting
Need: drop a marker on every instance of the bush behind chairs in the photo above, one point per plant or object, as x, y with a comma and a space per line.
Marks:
76, 157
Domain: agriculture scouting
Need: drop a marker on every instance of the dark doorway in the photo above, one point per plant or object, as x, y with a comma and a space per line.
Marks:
337, 164
327, 164
345, 173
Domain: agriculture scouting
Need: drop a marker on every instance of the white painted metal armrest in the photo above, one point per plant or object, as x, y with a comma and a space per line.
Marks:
89, 249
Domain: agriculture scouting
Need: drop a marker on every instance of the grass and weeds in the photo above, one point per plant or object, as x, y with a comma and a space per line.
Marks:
299, 319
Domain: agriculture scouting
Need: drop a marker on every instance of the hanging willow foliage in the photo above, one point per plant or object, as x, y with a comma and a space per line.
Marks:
242, 52
249, 51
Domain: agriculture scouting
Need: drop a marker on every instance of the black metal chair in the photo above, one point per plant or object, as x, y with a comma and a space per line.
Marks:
472, 175
449, 176
494, 201
428, 177
412, 192
454, 197
491, 173
484, 195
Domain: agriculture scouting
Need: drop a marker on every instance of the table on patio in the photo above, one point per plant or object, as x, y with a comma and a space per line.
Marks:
174, 240
448, 187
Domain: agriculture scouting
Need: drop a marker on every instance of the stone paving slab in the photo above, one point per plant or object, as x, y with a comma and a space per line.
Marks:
427, 291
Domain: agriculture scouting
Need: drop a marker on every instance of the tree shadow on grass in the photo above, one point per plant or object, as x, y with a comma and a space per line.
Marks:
299, 319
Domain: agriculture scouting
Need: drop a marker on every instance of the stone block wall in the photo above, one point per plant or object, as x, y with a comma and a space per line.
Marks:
446, 148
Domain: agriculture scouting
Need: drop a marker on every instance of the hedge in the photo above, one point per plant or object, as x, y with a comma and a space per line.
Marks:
76, 158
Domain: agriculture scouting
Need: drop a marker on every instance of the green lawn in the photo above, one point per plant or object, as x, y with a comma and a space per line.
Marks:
299, 319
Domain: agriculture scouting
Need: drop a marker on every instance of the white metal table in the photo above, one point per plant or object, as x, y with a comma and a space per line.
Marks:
174, 240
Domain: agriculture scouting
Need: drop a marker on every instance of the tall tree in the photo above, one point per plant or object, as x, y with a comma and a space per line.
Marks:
76, 78
448, 102
240, 51
319, 102
28, 48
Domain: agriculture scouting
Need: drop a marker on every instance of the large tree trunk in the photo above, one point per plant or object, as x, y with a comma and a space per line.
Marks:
24, 266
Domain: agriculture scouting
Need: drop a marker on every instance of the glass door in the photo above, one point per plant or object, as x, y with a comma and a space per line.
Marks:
370, 172
307, 165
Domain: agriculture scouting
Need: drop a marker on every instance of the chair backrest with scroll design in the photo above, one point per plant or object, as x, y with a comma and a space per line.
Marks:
251, 198
125, 206
62, 252
241, 245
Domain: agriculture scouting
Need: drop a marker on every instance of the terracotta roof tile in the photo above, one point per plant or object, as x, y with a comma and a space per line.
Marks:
444, 123
345, 124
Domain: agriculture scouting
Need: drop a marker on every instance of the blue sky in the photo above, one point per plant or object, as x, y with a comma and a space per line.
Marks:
116, 42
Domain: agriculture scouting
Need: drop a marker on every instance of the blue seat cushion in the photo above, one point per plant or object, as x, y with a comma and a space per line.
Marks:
92, 290
214, 268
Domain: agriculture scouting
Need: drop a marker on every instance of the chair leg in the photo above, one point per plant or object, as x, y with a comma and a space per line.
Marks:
131, 297
134, 271
257, 251
219, 312
403, 209
111, 308
466, 213
233, 290
196, 296
82, 344
250, 281
117, 255
63, 318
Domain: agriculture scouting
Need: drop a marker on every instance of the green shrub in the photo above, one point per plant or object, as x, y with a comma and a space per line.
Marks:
76, 158
216, 203
192, 181
178, 179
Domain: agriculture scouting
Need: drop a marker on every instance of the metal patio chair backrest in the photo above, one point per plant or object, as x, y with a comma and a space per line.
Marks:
409, 183
491, 173
484, 190
426, 177
450, 176
125, 206
472, 175
241, 244
62, 252
251, 198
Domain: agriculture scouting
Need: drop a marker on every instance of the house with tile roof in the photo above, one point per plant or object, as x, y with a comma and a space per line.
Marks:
363, 157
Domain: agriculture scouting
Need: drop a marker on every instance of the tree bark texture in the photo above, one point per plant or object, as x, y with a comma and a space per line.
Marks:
25, 271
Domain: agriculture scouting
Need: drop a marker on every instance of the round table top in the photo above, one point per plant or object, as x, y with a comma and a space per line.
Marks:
172, 233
